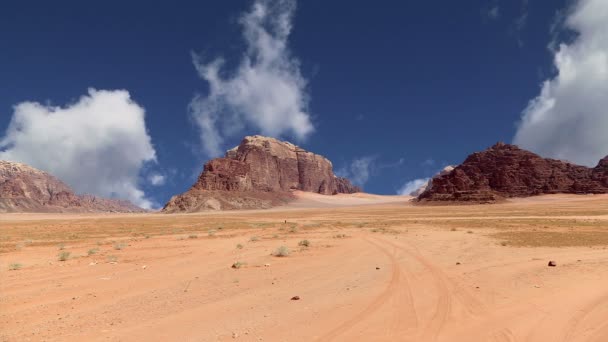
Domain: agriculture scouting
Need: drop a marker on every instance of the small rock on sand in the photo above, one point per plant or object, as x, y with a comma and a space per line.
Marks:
552, 263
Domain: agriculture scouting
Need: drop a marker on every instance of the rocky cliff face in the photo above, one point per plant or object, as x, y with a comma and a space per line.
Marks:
26, 189
259, 173
426, 185
504, 171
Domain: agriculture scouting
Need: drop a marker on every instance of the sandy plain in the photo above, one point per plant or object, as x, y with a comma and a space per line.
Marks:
377, 268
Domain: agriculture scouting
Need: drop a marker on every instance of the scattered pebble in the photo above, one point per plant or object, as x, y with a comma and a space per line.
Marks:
266, 265
377, 268
144, 267
235, 335
458, 263
295, 298
552, 263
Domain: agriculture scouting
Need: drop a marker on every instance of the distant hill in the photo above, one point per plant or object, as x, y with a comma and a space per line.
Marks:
27, 189
504, 171
259, 173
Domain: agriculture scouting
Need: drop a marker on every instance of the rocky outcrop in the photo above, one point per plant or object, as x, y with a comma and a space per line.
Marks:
424, 186
505, 171
259, 173
26, 189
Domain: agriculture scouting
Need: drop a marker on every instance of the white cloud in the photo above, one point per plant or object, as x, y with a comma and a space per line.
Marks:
492, 12
156, 179
408, 188
569, 119
358, 171
266, 92
97, 145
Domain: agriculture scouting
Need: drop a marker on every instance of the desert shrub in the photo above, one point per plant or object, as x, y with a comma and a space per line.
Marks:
239, 246
93, 251
304, 243
192, 236
119, 246
238, 264
282, 251
254, 239
15, 266
63, 256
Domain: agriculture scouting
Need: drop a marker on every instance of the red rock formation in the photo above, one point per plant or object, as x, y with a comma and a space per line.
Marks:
26, 189
263, 170
504, 171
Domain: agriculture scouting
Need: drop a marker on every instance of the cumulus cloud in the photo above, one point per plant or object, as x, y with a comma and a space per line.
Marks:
409, 187
569, 118
358, 171
266, 93
156, 179
98, 145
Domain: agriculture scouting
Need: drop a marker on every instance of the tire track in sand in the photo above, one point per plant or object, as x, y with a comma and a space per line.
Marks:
398, 284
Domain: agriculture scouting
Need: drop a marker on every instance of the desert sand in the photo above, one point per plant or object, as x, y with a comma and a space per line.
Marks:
376, 269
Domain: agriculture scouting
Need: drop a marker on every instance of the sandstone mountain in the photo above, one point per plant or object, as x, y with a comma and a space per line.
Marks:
504, 171
26, 189
423, 188
259, 173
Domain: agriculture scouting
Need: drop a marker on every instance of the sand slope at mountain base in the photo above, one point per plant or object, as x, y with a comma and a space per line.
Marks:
382, 272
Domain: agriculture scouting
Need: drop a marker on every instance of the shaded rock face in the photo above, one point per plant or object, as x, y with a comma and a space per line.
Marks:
426, 185
504, 171
26, 189
261, 165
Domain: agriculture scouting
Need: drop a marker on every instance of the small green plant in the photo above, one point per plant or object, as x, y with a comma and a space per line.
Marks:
99, 243
211, 233
15, 266
304, 243
192, 236
282, 251
339, 236
147, 236
119, 246
239, 246
61, 246
254, 239
63, 256
93, 251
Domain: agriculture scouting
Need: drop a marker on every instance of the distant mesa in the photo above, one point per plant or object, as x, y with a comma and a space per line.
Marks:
505, 171
259, 173
26, 189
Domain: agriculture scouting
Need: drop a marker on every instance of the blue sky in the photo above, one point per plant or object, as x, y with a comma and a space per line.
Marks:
390, 93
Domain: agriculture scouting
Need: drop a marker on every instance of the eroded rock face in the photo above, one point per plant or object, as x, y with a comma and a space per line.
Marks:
504, 171
426, 185
26, 189
264, 170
